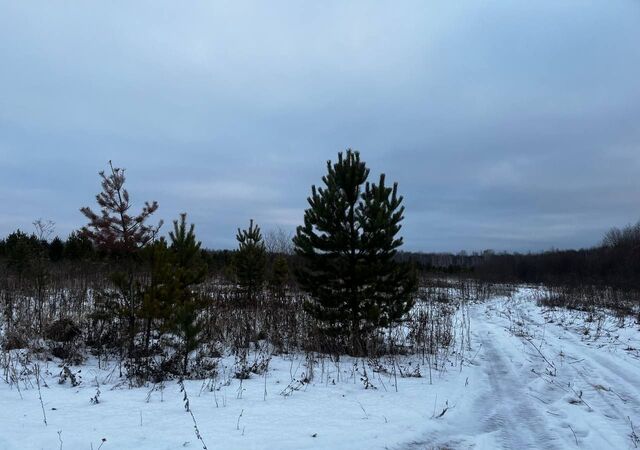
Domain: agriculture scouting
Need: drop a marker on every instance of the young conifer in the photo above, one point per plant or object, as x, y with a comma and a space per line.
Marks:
347, 245
189, 270
250, 261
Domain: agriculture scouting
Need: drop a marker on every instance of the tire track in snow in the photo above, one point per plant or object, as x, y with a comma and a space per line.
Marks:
621, 388
508, 405
608, 381
502, 414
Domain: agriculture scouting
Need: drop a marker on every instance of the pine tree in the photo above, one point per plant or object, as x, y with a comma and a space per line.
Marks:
114, 230
185, 246
78, 247
347, 245
250, 260
170, 299
158, 296
189, 270
21, 250
390, 285
121, 235
56, 249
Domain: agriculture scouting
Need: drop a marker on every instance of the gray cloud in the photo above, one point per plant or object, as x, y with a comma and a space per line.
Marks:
507, 126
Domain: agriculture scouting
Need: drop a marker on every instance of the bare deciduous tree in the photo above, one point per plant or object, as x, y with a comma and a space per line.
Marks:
279, 241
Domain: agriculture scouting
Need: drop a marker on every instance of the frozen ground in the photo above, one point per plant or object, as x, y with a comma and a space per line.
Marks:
533, 378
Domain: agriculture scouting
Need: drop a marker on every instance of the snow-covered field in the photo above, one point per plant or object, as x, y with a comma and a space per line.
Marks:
533, 378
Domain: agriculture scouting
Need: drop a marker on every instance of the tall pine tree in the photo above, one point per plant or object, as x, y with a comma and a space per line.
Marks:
347, 244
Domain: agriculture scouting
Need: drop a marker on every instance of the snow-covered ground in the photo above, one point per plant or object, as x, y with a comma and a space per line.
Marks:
533, 378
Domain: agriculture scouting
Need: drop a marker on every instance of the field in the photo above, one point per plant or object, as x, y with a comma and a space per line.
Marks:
525, 376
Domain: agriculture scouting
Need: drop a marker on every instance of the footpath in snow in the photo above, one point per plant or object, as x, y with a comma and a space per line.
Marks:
532, 378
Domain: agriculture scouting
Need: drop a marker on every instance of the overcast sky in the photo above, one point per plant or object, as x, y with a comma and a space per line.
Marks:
508, 125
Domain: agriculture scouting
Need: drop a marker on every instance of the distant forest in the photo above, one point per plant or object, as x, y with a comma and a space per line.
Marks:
615, 261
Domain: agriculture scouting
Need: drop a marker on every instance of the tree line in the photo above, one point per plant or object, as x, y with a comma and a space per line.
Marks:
613, 262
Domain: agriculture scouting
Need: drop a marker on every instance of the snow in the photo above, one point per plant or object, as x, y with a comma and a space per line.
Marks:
533, 378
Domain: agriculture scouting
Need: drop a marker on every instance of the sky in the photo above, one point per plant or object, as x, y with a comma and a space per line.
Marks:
507, 125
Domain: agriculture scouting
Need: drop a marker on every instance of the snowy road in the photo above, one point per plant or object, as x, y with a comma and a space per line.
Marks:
545, 379
533, 378
505, 407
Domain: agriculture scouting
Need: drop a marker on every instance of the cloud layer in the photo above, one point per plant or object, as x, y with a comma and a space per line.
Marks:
507, 125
